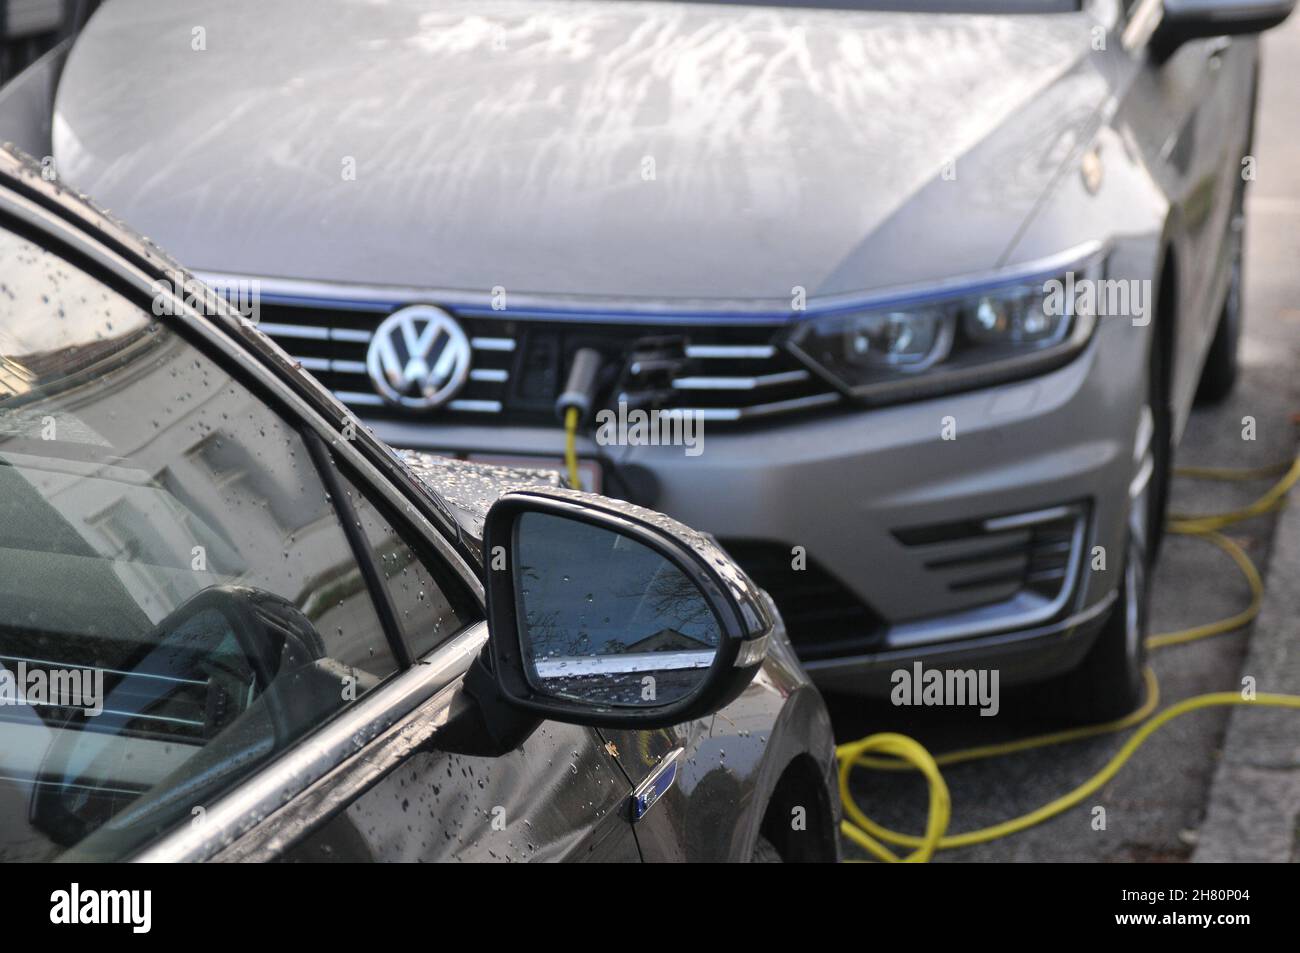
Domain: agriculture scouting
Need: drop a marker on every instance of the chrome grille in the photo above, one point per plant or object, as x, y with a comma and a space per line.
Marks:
722, 372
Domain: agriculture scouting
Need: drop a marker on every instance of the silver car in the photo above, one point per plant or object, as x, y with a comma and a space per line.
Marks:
926, 293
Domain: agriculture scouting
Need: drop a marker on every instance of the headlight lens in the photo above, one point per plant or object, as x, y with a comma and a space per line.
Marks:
968, 340
1022, 316
896, 339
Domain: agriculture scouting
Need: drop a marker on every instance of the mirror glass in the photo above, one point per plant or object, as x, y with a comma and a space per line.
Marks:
606, 620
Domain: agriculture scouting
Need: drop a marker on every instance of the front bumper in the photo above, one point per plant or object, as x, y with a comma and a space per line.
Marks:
887, 512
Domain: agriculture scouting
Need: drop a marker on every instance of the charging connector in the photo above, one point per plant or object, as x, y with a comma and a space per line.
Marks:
580, 386
575, 403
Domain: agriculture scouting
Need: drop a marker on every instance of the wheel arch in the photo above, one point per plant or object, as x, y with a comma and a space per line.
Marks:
801, 798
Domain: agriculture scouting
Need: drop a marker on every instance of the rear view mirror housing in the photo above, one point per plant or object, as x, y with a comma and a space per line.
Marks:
1184, 20
605, 614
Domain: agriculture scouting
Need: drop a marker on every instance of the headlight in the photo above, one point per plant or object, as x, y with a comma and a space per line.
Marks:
935, 343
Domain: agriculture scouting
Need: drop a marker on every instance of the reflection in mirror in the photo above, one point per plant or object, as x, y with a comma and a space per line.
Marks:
607, 620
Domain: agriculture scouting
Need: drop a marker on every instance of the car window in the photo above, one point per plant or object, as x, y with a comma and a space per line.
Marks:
178, 599
429, 606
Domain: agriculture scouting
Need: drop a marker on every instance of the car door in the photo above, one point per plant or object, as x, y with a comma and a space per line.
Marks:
1188, 111
182, 555
558, 796
1208, 147
655, 761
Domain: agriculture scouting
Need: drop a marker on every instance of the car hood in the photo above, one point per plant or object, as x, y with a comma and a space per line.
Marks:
657, 150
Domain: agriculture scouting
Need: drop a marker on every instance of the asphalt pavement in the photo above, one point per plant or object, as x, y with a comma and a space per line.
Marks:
1157, 808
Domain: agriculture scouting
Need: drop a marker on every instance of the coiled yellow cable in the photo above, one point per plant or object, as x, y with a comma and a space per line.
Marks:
903, 753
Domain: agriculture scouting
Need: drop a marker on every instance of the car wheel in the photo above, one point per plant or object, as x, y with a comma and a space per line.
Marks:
1108, 683
1220, 371
765, 852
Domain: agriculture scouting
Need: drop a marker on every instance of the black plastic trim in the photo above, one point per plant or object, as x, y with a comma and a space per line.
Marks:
365, 556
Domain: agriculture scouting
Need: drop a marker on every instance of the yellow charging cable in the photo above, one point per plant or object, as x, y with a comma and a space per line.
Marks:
1190, 525
902, 753
571, 446
575, 401
869, 835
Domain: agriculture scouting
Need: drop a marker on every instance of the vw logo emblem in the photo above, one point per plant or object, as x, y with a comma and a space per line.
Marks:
418, 358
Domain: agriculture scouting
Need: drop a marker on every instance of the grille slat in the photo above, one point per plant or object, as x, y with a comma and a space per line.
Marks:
740, 383
761, 352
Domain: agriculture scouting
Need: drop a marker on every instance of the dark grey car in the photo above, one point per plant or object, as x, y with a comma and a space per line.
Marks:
235, 626
823, 231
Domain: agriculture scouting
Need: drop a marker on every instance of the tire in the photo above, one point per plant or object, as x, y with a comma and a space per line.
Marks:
1156, 501
1220, 371
765, 852
1108, 683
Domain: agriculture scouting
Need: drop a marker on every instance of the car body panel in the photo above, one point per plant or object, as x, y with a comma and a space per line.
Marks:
559, 796
731, 762
562, 794
793, 149
517, 118
730, 766
27, 104
1171, 148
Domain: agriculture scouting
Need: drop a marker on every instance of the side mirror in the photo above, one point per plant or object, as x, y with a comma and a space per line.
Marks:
603, 613
1184, 20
